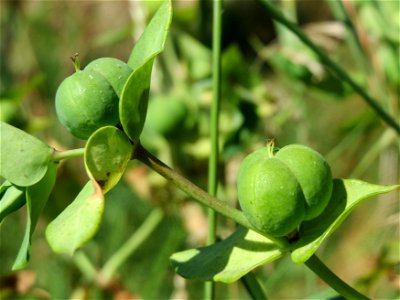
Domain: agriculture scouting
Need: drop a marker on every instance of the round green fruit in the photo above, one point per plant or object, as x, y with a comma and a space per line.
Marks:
313, 173
114, 70
86, 101
269, 194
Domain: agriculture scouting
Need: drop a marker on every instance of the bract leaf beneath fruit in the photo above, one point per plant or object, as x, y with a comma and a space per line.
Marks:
107, 153
228, 260
152, 40
134, 100
346, 195
36, 198
79, 222
23, 158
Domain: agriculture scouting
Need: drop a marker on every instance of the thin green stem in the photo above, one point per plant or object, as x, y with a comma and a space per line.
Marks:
85, 266
253, 286
209, 286
130, 246
60, 155
319, 268
335, 68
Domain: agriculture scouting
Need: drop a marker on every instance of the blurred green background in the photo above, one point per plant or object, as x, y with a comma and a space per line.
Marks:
272, 87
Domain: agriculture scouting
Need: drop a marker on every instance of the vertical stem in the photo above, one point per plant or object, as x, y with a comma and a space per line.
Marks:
213, 161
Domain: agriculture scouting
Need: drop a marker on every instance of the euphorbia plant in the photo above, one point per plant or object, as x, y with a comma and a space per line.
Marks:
289, 200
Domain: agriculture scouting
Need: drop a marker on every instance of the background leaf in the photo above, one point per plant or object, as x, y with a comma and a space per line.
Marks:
346, 195
24, 159
152, 41
79, 222
227, 260
36, 198
107, 153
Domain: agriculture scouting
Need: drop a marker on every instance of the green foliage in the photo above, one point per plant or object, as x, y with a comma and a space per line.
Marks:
36, 197
24, 159
78, 222
107, 154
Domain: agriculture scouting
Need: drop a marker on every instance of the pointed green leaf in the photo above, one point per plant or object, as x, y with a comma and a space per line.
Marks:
36, 198
79, 222
134, 100
346, 195
107, 153
228, 260
23, 159
12, 198
152, 40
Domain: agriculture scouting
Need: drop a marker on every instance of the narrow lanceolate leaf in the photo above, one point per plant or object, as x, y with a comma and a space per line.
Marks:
23, 158
11, 198
134, 100
227, 260
107, 153
152, 40
346, 195
79, 222
36, 198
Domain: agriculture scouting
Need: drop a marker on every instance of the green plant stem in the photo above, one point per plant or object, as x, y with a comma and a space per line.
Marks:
209, 286
253, 287
320, 269
85, 266
60, 155
335, 68
197, 193
127, 249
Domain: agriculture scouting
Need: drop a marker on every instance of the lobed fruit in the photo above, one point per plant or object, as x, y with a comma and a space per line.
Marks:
88, 99
269, 195
278, 191
314, 175
114, 70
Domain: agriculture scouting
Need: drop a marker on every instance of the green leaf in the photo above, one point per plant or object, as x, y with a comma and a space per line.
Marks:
107, 153
228, 260
36, 198
134, 100
152, 41
135, 95
79, 222
346, 195
24, 159
12, 198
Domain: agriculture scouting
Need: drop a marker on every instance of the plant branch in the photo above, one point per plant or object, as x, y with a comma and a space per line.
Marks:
320, 269
335, 68
60, 155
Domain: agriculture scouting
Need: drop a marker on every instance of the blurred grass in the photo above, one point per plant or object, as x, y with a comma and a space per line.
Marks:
273, 87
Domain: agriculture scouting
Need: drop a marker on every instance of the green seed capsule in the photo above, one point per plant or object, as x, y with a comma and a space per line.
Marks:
114, 70
313, 173
86, 101
269, 194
